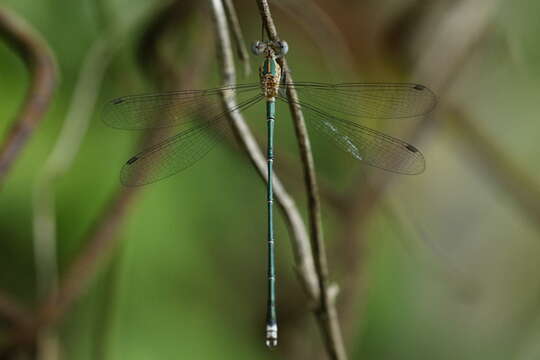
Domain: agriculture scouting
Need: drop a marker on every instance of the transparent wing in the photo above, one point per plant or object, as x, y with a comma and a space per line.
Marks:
178, 152
362, 100
161, 110
370, 146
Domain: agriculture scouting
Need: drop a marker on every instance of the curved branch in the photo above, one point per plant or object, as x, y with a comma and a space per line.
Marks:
326, 310
41, 64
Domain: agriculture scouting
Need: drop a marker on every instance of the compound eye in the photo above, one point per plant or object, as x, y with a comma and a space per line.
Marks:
282, 47
257, 48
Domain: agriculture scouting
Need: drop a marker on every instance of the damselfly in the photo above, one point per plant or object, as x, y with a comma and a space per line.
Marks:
330, 109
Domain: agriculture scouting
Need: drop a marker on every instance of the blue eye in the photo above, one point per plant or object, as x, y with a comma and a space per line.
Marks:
282, 48
257, 48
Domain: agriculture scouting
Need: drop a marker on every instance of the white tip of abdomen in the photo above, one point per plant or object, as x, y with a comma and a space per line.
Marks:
271, 336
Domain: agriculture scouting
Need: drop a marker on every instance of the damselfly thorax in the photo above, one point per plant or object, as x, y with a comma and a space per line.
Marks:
270, 76
270, 70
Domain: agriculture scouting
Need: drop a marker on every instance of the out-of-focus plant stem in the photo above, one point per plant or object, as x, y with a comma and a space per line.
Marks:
41, 65
242, 51
59, 161
323, 31
491, 158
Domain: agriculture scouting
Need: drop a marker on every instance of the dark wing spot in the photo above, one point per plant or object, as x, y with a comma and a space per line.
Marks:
419, 87
411, 148
132, 160
117, 101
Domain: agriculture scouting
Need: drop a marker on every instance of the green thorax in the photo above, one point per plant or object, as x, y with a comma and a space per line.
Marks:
269, 66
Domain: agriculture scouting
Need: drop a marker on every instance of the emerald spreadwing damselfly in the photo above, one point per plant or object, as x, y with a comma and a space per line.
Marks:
329, 109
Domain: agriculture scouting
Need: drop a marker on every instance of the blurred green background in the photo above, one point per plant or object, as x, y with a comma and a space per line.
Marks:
443, 265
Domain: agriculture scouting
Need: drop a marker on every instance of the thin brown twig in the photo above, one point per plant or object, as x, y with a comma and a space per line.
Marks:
305, 267
325, 311
241, 49
41, 65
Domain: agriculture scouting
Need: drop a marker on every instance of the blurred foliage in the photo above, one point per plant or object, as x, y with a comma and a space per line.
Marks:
453, 275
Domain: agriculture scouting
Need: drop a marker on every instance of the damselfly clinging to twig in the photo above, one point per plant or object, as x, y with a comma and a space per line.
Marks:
329, 109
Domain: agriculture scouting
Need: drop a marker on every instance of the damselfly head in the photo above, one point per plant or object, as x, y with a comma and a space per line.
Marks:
277, 48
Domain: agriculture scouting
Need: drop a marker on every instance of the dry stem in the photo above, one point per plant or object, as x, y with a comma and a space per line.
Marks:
41, 64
